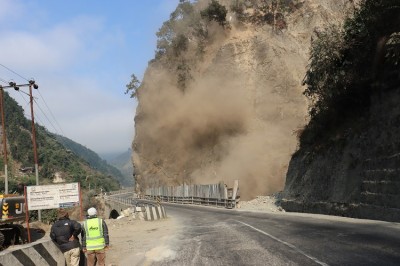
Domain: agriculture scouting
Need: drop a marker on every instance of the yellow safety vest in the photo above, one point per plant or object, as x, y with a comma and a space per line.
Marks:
94, 234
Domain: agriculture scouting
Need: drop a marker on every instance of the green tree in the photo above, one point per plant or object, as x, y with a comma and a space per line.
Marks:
184, 9
215, 12
173, 35
132, 87
184, 76
180, 44
348, 64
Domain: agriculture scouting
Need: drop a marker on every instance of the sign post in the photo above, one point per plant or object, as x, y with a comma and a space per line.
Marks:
27, 217
51, 197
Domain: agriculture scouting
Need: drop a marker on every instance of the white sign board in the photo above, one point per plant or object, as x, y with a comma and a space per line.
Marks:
52, 196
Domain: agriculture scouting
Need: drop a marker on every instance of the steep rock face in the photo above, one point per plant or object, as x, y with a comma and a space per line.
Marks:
357, 176
237, 118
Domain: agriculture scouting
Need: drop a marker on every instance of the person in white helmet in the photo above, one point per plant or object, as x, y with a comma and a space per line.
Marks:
95, 240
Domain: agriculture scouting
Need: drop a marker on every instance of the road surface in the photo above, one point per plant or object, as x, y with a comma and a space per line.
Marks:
209, 236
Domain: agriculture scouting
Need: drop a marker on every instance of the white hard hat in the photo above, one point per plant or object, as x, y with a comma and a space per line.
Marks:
92, 211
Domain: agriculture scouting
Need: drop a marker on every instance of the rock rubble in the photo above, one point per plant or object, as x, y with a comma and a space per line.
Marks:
262, 203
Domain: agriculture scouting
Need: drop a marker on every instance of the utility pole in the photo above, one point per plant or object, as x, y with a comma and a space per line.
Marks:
32, 84
4, 140
11, 85
35, 86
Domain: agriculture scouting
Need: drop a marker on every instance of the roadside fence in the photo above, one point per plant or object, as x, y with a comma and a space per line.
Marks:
218, 195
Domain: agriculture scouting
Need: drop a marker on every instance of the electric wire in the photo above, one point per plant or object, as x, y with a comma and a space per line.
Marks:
28, 102
26, 114
51, 113
12, 71
48, 120
37, 117
2, 80
44, 114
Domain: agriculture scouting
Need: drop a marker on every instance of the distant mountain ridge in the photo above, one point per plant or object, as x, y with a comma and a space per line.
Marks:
123, 163
94, 160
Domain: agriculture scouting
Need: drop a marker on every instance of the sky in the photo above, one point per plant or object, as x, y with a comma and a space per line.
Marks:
81, 54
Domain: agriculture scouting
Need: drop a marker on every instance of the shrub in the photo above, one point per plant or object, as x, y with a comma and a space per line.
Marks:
215, 12
347, 64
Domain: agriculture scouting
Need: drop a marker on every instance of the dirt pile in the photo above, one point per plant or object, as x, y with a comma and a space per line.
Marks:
262, 203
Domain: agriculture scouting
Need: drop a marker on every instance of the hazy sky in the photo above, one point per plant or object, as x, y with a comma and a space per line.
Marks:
81, 53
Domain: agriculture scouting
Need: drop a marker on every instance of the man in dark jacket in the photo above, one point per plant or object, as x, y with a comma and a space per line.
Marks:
64, 233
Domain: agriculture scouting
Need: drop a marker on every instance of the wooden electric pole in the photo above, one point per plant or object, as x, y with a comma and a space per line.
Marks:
3, 128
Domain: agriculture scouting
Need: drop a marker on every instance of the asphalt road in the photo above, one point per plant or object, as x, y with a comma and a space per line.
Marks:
228, 237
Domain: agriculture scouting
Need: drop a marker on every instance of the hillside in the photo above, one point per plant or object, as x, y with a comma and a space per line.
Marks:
222, 99
94, 160
56, 163
123, 163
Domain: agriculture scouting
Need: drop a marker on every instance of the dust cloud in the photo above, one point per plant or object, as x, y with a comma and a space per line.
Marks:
237, 117
211, 133
234, 121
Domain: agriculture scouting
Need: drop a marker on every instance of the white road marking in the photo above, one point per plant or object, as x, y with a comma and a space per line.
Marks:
285, 243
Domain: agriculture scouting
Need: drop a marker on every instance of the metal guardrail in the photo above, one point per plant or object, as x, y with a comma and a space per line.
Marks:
216, 191
217, 195
227, 203
122, 191
130, 201
156, 200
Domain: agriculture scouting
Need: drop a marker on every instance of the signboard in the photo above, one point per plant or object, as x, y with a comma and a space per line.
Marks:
52, 196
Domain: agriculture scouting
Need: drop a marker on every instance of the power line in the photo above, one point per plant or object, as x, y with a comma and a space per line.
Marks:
48, 120
26, 101
35, 101
51, 113
26, 114
12, 71
38, 117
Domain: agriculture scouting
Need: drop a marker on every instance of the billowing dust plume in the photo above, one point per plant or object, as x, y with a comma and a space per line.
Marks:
211, 133
237, 117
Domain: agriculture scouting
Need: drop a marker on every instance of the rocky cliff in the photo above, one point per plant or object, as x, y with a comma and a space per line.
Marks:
238, 114
349, 153
357, 176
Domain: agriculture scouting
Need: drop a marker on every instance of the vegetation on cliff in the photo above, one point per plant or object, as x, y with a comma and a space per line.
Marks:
183, 38
347, 65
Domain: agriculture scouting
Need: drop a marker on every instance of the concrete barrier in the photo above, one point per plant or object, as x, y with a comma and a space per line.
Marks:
151, 212
41, 252
140, 209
